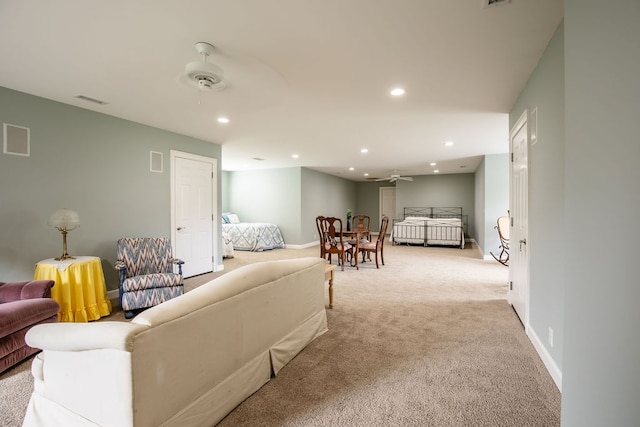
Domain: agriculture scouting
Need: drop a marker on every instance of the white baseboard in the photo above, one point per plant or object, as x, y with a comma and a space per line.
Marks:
114, 297
554, 370
303, 246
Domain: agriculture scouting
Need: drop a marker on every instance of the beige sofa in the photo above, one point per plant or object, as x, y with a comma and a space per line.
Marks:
186, 362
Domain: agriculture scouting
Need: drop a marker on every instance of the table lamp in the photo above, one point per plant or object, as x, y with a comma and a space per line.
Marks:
64, 220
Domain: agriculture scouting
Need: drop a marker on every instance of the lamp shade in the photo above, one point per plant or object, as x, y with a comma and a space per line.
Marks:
64, 218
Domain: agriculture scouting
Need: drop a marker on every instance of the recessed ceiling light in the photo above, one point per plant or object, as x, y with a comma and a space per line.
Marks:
436, 171
364, 150
366, 174
433, 163
295, 156
223, 120
397, 91
448, 144
352, 168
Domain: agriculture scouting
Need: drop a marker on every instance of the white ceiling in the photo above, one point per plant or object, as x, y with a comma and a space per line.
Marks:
306, 77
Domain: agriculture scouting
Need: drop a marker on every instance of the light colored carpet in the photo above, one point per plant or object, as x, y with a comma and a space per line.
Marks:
427, 340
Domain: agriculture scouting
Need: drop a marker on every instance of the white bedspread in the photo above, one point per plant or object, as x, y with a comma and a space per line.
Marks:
254, 236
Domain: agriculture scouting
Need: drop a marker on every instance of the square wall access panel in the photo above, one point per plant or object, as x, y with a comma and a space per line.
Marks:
16, 140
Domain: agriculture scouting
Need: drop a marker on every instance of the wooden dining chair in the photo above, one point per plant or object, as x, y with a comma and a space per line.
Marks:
333, 241
377, 247
361, 224
319, 219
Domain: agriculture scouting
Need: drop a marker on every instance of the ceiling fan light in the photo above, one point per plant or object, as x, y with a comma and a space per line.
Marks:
205, 75
197, 68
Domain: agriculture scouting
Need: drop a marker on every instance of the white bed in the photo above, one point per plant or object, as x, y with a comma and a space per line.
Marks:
433, 230
254, 236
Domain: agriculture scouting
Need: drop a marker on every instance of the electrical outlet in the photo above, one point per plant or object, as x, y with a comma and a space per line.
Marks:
550, 336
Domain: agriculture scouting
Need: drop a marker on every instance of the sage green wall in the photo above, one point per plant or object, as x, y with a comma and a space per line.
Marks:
480, 216
491, 201
291, 198
368, 201
294, 197
270, 195
326, 195
447, 190
225, 176
547, 235
95, 164
601, 374
288, 197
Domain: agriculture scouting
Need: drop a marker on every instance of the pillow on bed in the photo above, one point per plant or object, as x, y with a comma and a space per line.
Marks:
225, 218
416, 219
233, 218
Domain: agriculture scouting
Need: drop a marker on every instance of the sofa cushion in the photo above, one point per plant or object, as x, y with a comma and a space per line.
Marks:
14, 291
151, 281
19, 314
11, 291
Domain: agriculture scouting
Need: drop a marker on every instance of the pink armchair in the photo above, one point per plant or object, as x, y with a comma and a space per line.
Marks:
23, 305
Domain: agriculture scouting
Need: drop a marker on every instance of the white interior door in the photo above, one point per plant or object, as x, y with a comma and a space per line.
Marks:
193, 206
518, 234
388, 203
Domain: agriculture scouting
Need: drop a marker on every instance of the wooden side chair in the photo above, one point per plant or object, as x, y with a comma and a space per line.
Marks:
319, 219
334, 242
377, 247
361, 224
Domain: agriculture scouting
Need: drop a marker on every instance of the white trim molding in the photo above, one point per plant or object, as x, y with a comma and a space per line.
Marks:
549, 363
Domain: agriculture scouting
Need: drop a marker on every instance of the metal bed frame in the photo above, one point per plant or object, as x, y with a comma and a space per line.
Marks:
431, 232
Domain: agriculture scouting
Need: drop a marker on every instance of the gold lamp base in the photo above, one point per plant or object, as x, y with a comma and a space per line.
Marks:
65, 255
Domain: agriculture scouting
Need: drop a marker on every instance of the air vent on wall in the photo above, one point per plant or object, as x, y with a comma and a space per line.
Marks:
155, 161
89, 99
16, 140
491, 3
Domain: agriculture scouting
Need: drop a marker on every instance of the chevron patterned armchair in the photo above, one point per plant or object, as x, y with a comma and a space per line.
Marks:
147, 276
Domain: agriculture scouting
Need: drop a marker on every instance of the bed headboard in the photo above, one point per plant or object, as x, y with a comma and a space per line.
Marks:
433, 212
438, 212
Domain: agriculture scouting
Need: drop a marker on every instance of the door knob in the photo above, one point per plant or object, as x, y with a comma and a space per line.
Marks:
181, 228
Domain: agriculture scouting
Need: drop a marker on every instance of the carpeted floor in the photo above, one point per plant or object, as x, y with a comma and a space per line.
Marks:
427, 340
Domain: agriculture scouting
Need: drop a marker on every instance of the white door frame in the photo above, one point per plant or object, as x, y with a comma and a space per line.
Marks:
215, 238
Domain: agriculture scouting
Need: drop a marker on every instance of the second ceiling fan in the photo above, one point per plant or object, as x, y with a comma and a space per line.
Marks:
395, 176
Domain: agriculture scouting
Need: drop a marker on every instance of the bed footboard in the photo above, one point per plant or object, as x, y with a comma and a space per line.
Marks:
430, 226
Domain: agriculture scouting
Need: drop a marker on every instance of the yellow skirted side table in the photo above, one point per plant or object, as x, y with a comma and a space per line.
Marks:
80, 288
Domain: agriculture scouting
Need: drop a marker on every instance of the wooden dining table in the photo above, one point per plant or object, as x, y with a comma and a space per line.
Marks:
357, 235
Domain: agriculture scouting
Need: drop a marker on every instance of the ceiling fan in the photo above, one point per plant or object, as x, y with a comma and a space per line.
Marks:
395, 177
203, 75
233, 76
